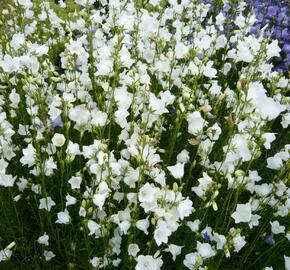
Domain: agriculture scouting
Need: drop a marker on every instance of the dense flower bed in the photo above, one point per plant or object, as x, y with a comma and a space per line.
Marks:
144, 135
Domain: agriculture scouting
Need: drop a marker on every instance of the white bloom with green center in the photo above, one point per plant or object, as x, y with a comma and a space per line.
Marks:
58, 140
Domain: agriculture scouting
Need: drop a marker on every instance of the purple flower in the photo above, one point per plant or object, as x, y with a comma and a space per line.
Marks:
190, 40
226, 9
57, 122
285, 34
286, 48
200, 55
206, 236
270, 240
254, 30
172, 111
272, 10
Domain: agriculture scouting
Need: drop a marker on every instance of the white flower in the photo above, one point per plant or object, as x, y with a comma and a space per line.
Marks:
184, 208
243, 213
14, 98
63, 217
3, 166
157, 105
180, 50
239, 242
195, 123
273, 49
214, 132
287, 262
143, 225
205, 42
95, 261
7, 180
43, 240
285, 120
10, 64
274, 163
93, 227
46, 203
124, 226
269, 138
221, 41
80, 115
99, 118
193, 225
133, 250
264, 105
17, 41
174, 250
29, 155
204, 184
209, 71
148, 263
58, 140
183, 156
276, 228
190, 260
6, 253
70, 200
72, 150
220, 240
75, 182
244, 53
146, 193
84, 3
205, 250
177, 170
48, 255
161, 234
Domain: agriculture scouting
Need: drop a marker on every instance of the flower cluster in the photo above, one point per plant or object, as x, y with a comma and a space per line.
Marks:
141, 135
275, 14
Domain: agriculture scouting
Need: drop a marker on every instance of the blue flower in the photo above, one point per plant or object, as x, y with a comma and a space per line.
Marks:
206, 236
57, 122
270, 240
